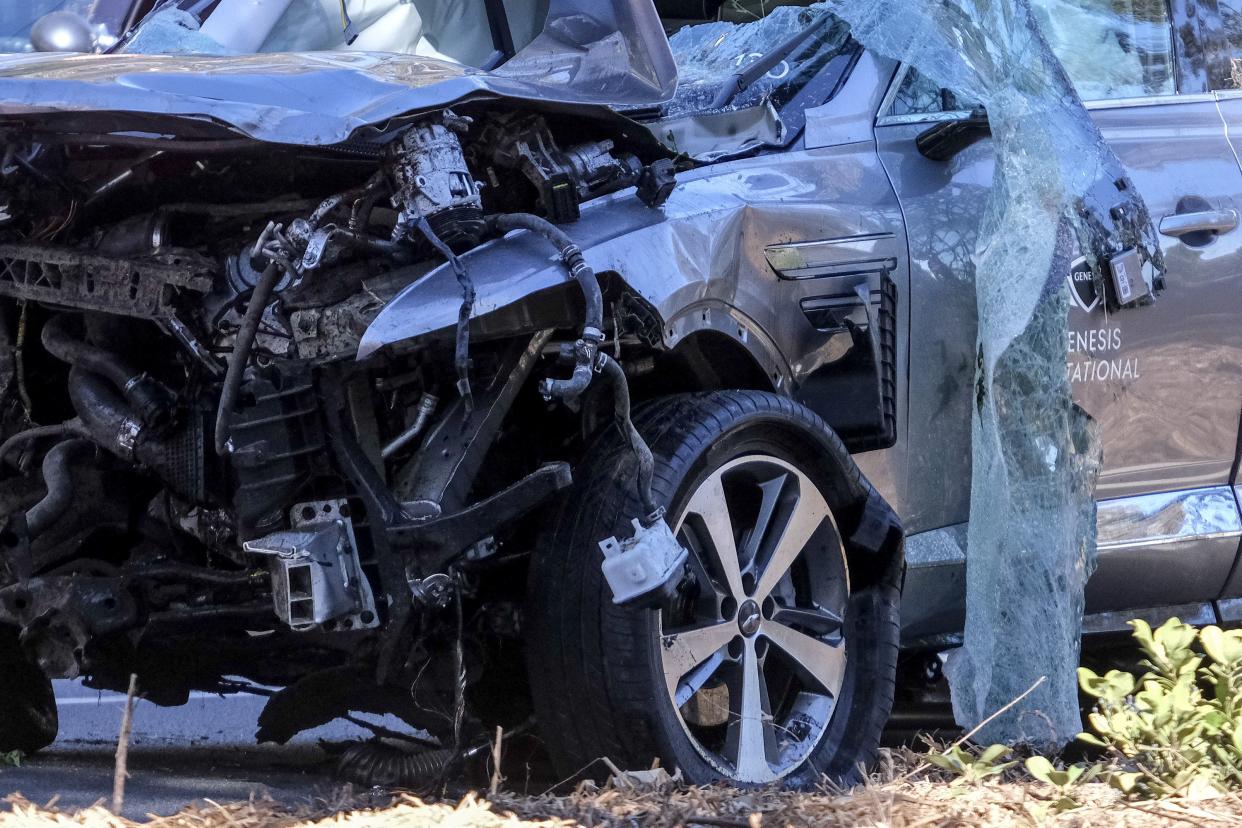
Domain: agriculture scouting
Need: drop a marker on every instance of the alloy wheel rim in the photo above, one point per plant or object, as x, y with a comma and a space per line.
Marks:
753, 649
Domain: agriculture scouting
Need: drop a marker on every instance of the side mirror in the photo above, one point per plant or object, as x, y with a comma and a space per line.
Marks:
945, 140
62, 31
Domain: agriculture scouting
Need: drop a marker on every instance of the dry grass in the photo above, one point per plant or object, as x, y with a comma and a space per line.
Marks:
901, 796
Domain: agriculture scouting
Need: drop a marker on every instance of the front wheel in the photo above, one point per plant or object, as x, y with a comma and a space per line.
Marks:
768, 666
28, 720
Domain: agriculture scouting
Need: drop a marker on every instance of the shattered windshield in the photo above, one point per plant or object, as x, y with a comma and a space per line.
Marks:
709, 54
456, 30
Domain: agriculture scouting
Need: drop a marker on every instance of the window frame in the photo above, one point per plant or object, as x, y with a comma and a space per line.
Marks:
1175, 15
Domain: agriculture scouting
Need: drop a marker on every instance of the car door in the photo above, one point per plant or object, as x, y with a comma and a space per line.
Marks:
1219, 61
1163, 381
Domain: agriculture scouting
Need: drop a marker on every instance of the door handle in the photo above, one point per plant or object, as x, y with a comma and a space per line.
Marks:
1205, 221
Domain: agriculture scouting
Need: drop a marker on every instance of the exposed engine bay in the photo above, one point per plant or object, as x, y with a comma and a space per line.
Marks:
205, 487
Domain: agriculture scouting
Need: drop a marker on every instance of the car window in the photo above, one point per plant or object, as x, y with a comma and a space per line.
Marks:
1231, 24
1110, 49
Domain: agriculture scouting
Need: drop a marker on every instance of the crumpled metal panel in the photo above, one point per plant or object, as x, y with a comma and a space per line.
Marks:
701, 262
606, 53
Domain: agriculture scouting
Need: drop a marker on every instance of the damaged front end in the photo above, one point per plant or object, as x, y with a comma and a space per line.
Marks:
203, 478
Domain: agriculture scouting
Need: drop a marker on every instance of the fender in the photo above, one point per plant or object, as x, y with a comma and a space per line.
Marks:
683, 259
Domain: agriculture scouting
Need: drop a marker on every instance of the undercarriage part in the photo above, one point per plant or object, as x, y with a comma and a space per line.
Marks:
140, 287
175, 457
152, 402
60, 616
59, 483
318, 698
317, 578
241, 352
436, 184
380, 764
458, 442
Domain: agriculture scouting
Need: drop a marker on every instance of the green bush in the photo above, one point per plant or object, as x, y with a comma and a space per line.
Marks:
1178, 728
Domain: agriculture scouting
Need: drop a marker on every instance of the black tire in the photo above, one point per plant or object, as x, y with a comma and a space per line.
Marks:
595, 668
28, 720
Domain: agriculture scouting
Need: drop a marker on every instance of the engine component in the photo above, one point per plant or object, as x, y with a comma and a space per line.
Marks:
644, 566
175, 457
59, 483
131, 287
276, 440
150, 399
435, 183
563, 178
434, 591
241, 351
316, 575
426, 407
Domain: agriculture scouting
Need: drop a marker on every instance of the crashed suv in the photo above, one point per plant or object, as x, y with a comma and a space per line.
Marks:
566, 366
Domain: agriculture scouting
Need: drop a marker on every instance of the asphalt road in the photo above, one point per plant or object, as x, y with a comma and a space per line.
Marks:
203, 750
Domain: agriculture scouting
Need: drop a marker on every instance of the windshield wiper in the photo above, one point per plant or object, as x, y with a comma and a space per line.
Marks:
741, 81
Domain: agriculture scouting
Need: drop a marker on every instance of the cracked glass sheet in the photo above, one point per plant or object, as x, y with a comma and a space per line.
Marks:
707, 53
1035, 455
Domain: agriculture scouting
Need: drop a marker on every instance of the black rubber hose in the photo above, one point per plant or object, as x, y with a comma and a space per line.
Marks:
38, 433
59, 481
614, 375
104, 414
571, 254
375, 763
241, 352
150, 399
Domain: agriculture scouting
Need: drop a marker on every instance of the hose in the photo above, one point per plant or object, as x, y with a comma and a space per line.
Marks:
586, 356
38, 433
241, 352
614, 375
461, 355
150, 399
375, 763
59, 481
106, 417
571, 255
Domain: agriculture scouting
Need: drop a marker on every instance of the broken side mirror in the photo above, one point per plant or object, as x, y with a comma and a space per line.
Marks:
945, 140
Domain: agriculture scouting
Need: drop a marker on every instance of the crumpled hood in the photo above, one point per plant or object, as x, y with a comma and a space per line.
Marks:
590, 52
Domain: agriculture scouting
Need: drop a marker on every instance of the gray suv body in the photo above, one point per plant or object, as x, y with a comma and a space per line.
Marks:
370, 374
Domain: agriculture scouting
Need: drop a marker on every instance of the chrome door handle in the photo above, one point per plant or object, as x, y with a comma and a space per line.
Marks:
1207, 221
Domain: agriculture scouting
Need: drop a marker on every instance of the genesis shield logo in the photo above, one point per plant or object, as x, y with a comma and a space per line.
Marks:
1082, 286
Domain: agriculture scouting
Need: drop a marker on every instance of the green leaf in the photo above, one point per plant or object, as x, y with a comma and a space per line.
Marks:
1065, 803
1225, 648
1040, 768
1125, 782
945, 761
1092, 739
992, 753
